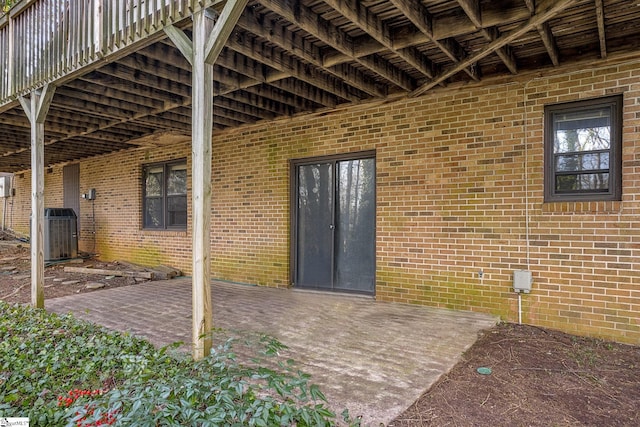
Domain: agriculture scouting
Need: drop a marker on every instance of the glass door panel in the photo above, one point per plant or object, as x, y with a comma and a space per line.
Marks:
355, 226
315, 226
335, 224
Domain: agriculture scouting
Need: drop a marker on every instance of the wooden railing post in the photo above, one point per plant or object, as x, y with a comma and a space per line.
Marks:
11, 54
47, 40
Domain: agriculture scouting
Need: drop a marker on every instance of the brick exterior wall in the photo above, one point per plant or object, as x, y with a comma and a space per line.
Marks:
459, 191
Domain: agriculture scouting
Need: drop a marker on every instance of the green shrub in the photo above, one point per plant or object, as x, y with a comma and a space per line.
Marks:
60, 371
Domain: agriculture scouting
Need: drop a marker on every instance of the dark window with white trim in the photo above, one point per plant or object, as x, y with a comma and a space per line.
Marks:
165, 195
583, 150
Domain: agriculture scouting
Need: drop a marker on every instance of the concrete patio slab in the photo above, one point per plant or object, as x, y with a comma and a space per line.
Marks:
371, 357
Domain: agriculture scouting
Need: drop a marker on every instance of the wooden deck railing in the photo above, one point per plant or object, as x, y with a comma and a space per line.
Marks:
43, 41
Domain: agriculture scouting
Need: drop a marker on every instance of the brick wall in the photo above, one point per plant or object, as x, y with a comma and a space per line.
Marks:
459, 192
18, 207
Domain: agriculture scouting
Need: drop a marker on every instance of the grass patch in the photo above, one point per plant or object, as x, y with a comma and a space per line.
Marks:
60, 371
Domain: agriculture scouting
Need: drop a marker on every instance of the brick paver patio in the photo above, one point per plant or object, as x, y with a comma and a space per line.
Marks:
371, 357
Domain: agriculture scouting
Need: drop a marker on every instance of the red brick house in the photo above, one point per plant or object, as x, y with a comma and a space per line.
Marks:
421, 152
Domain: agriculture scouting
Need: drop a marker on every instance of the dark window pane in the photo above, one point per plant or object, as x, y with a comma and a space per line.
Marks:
165, 195
582, 162
177, 180
586, 182
153, 182
583, 150
153, 213
586, 130
176, 210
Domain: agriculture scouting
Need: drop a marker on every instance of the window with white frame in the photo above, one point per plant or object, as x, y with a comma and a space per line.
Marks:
583, 150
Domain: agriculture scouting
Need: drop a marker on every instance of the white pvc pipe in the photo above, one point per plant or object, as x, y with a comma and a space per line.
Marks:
519, 308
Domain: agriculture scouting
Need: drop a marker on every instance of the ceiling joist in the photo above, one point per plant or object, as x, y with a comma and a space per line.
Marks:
286, 57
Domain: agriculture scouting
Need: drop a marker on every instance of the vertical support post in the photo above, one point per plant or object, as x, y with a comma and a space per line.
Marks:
202, 51
36, 109
37, 209
201, 133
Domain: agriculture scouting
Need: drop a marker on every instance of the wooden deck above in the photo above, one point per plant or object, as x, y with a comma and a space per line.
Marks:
120, 80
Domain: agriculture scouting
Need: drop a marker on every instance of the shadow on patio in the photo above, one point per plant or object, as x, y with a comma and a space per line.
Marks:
371, 357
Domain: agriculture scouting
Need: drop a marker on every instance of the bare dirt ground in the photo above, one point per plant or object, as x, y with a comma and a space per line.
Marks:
15, 275
538, 377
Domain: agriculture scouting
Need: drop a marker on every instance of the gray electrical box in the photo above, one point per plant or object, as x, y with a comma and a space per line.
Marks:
60, 234
522, 281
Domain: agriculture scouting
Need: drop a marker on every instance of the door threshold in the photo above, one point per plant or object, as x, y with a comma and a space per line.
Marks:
336, 293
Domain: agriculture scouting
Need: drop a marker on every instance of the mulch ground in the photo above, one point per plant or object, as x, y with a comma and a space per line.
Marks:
537, 377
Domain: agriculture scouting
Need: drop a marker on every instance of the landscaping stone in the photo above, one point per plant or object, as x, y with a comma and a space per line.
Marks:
95, 285
71, 282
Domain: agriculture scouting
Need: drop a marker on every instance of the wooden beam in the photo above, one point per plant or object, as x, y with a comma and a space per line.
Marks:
117, 118
545, 35
549, 43
280, 61
102, 272
232, 115
163, 123
444, 30
144, 79
144, 67
86, 100
418, 14
230, 63
602, 35
473, 10
44, 101
303, 90
225, 81
504, 53
268, 96
553, 8
223, 28
243, 108
305, 18
277, 33
61, 125
88, 86
36, 109
181, 41
379, 31
112, 80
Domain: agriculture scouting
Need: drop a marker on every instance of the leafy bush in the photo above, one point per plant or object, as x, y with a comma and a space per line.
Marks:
60, 371
6, 5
